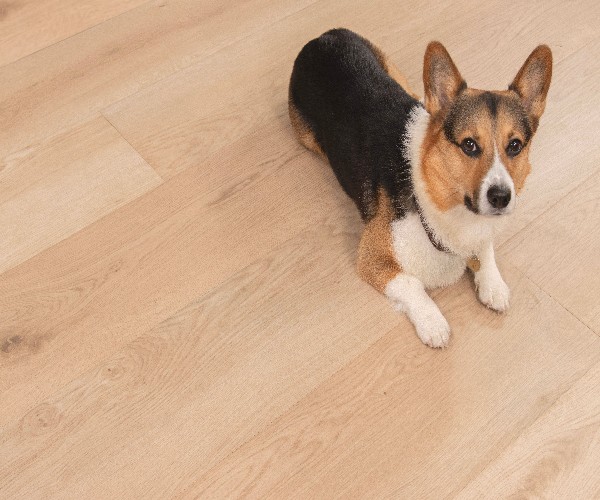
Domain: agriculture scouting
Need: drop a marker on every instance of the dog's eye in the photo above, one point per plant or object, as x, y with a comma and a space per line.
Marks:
514, 147
469, 147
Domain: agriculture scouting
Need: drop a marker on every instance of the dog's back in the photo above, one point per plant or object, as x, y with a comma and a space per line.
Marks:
344, 104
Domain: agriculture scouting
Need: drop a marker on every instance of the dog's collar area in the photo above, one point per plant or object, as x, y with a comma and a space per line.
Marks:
472, 262
437, 244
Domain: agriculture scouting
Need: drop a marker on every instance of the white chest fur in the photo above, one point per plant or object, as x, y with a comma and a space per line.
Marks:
419, 258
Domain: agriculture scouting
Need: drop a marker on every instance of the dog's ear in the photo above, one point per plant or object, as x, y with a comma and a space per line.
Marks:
533, 81
441, 78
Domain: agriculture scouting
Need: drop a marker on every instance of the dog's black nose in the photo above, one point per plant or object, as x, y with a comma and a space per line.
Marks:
498, 196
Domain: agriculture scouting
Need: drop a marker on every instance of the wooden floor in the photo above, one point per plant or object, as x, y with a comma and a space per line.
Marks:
179, 311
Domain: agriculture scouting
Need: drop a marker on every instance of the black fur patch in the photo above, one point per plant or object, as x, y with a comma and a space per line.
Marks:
465, 107
358, 115
491, 101
470, 205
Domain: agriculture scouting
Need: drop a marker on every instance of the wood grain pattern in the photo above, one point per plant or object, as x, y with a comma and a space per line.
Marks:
191, 373
408, 424
31, 25
179, 310
558, 167
89, 295
65, 84
60, 186
570, 270
556, 457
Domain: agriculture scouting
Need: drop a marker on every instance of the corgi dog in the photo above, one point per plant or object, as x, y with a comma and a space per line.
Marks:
433, 180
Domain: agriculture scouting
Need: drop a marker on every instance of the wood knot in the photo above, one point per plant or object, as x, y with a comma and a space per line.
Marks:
113, 371
5, 8
41, 419
10, 343
16, 346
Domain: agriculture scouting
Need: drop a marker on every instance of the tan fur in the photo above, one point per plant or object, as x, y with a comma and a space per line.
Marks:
392, 70
444, 171
533, 82
449, 174
441, 78
376, 261
303, 131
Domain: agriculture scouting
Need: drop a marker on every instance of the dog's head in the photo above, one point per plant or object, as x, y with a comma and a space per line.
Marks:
477, 144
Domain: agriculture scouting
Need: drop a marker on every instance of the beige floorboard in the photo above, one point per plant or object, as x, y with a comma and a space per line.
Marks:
61, 185
569, 268
558, 166
31, 25
67, 83
235, 359
238, 360
76, 303
179, 309
556, 457
412, 427
186, 118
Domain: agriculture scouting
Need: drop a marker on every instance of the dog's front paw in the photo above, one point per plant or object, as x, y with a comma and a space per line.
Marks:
493, 291
432, 328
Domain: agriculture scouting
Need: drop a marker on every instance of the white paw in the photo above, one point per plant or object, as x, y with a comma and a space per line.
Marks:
493, 292
409, 296
433, 329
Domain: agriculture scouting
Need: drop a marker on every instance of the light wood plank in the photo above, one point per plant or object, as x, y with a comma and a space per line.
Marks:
81, 300
489, 52
396, 424
58, 187
30, 25
557, 457
283, 374
561, 251
226, 365
67, 83
234, 361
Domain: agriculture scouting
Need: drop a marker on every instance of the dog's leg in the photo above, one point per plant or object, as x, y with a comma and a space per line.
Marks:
377, 265
408, 295
376, 262
492, 290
